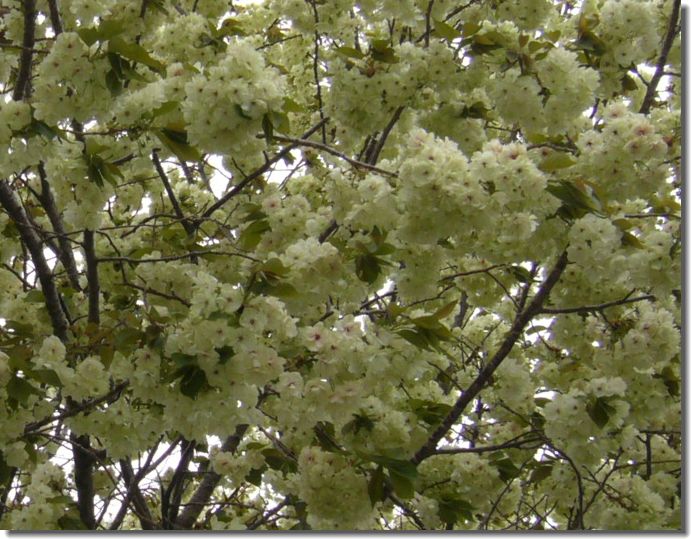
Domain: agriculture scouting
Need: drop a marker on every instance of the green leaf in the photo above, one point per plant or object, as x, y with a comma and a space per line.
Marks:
34, 296
505, 466
275, 267
446, 31
255, 476
290, 105
381, 51
176, 142
432, 413
535, 329
252, 234
71, 521
325, 434
367, 268
375, 486
541, 471
193, 381
470, 28
5, 471
600, 411
268, 128
45, 376
134, 52
575, 197
404, 468
165, 108
628, 83
279, 461
414, 337
556, 161
452, 509
360, 422
127, 339
20, 390
630, 240
60, 499
446, 310
402, 485
521, 274
20, 357
349, 52
44, 130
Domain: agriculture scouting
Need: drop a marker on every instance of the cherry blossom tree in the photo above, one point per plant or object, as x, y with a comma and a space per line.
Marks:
317, 264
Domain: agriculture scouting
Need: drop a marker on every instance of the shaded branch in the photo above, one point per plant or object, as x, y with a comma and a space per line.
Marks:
662, 60
55, 21
134, 494
485, 374
92, 277
21, 86
201, 496
12, 205
64, 253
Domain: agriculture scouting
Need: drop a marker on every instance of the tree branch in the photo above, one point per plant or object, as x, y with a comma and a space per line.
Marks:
135, 495
593, 308
208, 484
170, 508
110, 397
328, 149
65, 252
55, 21
92, 277
261, 170
189, 228
523, 442
381, 141
662, 60
13, 207
22, 85
485, 374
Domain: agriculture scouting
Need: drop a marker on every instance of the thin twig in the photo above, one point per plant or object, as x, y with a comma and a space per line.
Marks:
258, 172
596, 308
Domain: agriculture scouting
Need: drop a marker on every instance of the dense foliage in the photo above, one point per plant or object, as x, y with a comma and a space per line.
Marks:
386, 264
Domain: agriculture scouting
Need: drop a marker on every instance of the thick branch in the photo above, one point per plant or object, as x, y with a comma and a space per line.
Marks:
13, 207
208, 484
662, 60
479, 383
21, 86
170, 508
65, 252
92, 277
83, 477
55, 21
135, 494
